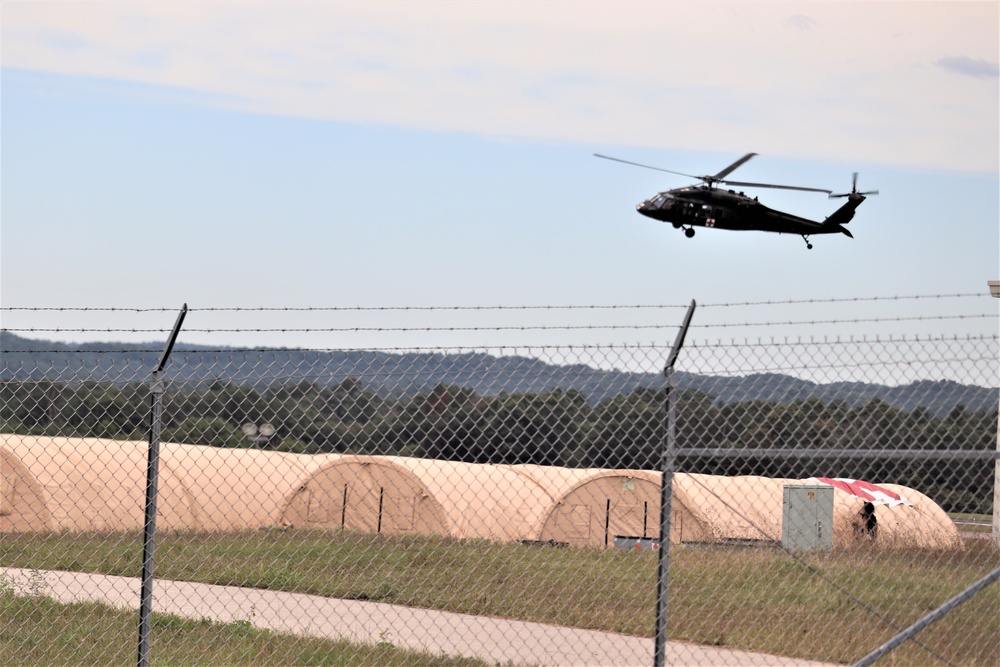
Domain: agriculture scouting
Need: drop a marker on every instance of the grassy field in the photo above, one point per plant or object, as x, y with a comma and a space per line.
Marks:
834, 607
37, 631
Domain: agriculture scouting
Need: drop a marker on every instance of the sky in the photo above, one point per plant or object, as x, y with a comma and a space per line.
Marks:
369, 156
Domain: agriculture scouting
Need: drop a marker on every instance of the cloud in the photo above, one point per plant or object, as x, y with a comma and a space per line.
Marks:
708, 76
976, 68
801, 22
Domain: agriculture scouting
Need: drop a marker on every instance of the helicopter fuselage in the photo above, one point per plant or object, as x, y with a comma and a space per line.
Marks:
704, 206
709, 206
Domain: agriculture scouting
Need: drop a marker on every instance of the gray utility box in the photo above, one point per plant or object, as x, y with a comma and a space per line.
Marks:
807, 517
628, 543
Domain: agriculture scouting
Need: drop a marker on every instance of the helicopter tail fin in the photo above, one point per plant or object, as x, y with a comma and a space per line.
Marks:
845, 213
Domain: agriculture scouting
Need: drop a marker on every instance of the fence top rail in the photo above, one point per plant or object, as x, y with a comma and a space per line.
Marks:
840, 453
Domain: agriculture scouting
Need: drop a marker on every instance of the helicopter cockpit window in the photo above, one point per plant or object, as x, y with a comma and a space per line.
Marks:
662, 201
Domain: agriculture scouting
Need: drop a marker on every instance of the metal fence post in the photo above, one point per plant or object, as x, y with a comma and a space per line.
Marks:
995, 292
666, 492
156, 391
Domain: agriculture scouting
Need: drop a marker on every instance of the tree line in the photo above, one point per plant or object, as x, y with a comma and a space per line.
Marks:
557, 427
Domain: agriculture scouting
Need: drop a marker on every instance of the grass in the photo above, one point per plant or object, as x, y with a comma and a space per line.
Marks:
975, 528
967, 515
986, 527
35, 630
831, 606
848, 605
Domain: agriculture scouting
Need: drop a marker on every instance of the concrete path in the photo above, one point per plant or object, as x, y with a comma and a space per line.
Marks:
494, 640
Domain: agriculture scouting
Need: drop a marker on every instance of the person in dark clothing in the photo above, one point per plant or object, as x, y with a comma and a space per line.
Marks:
865, 524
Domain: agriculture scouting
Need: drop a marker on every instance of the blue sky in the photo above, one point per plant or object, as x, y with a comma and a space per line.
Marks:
336, 155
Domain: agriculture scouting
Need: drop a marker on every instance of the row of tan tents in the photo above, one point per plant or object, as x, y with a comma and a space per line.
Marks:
88, 484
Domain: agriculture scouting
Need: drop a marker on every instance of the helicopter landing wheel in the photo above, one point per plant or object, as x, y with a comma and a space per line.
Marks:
809, 246
689, 232
677, 225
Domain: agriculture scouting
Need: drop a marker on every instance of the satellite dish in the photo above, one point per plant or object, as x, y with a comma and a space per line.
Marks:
266, 430
249, 430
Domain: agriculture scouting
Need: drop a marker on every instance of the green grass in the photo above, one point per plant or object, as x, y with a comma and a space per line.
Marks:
38, 631
973, 528
832, 606
857, 601
967, 515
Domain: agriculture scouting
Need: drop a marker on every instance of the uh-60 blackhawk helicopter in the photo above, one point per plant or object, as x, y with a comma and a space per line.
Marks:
709, 206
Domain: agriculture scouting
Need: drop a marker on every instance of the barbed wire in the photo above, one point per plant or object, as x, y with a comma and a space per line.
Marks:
541, 327
733, 304
836, 340
86, 309
862, 320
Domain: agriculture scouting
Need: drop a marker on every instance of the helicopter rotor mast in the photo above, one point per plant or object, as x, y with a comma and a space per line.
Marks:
854, 190
720, 177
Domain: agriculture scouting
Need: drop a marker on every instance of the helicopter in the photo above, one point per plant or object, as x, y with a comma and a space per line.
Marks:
709, 206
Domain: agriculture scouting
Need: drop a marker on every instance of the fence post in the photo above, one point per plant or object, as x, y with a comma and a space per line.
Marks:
156, 391
996, 489
666, 493
995, 292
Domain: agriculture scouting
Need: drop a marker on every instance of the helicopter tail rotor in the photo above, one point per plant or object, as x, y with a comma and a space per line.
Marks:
854, 190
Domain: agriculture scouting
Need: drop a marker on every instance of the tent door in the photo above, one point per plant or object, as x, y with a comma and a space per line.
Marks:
628, 517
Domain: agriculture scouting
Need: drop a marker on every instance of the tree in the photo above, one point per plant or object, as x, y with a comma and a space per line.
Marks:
210, 431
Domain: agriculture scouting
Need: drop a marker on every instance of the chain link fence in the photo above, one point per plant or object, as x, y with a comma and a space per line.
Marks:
501, 505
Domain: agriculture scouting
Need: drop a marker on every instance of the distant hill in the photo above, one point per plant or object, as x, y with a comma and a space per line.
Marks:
398, 374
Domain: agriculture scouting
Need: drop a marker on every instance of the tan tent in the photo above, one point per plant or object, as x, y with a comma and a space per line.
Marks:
388, 494
481, 500
81, 484
918, 524
590, 507
237, 489
22, 498
364, 493
710, 508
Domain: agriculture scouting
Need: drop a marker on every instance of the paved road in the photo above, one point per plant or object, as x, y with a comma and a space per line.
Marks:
494, 640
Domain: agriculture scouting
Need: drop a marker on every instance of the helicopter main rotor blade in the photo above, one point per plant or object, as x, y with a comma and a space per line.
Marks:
646, 166
728, 170
718, 178
775, 187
